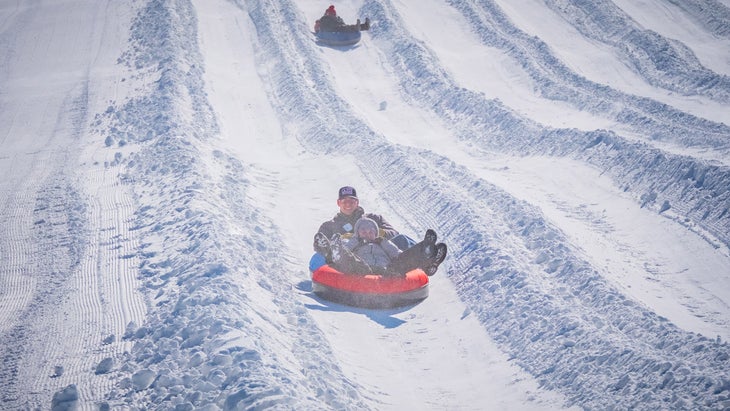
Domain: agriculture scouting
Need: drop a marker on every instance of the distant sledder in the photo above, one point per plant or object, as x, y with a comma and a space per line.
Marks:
330, 29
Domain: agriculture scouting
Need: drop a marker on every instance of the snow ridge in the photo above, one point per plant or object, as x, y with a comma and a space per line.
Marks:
537, 312
711, 14
693, 188
648, 118
662, 62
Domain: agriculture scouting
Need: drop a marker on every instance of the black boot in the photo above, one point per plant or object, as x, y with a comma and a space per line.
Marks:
437, 259
430, 237
429, 243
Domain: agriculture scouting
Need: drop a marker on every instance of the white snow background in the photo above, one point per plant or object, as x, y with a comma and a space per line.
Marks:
165, 163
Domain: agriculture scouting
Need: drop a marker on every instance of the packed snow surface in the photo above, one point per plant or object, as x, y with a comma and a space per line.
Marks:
165, 165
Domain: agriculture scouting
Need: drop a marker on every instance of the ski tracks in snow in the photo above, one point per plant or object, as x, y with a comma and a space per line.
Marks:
69, 297
65, 291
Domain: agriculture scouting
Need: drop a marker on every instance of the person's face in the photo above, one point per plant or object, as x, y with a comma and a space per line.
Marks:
348, 205
367, 233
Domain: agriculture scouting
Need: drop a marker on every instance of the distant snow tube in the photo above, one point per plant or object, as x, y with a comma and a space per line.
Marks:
369, 291
338, 38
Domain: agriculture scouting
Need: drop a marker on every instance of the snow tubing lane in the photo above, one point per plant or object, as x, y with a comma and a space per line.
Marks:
338, 38
370, 291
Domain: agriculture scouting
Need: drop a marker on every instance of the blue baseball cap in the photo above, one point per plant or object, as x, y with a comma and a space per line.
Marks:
347, 191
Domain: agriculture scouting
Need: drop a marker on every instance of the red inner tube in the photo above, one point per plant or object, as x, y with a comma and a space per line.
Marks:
370, 284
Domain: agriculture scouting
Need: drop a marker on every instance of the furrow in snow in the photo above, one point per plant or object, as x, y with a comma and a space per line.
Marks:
545, 297
20, 283
710, 14
691, 183
664, 63
58, 225
648, 118
16, 249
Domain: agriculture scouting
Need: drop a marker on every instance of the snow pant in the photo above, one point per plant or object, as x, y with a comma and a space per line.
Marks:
410, 259
403, 242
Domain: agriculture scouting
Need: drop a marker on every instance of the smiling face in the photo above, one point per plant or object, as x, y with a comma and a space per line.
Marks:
367, 232
348, 205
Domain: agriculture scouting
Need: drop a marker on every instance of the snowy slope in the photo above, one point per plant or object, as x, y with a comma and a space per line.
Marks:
166, 164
